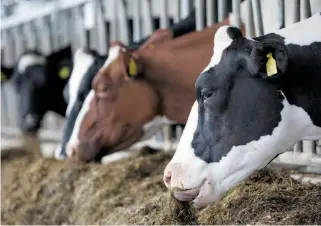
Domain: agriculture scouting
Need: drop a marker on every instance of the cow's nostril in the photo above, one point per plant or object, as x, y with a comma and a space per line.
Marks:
167, 178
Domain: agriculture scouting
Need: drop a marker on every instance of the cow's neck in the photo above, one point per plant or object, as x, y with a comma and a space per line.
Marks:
172, 68
302, 81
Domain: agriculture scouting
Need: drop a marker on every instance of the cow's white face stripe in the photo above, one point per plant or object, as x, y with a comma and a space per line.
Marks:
222, 41
74, 140
28, 60
82, 62
112, 55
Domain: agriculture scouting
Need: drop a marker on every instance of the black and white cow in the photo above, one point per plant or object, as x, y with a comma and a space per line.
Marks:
39, 81
86, 65
255, 100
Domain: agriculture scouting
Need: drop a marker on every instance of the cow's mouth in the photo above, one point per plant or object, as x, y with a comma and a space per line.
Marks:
126, 141
184, 195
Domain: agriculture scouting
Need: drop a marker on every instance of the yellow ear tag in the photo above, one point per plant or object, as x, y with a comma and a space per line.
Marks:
64, 72
271, 68
132, 67
3, 77
151, 46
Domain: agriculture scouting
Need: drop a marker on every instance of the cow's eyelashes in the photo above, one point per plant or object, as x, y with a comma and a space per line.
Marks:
105, 89
102, 88
207, 93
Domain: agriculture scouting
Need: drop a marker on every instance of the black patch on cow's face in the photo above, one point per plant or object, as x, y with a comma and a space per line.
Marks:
82, 92
235, 106
301, 84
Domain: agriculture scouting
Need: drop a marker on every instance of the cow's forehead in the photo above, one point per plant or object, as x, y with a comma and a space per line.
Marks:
82, 63
28, 60
113, 53
222, 40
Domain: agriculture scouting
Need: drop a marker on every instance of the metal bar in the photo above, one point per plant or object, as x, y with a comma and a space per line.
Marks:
65, 26
43, 134
89, 23
18, 40
281, 13
236, 7
123, 25
185, 8
45, 11
179, 131
305, 9
222, 10
102, 38
211, 13
296, 11
199, 7
164, 23
176, 14
298, 147
148, 25
9, 48
75, 23
167, 131
4, 106
318, 148
249, 22
136, 22
304, 159
308, 146
258, 23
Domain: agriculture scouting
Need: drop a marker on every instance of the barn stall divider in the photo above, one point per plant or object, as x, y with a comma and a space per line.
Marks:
58, 23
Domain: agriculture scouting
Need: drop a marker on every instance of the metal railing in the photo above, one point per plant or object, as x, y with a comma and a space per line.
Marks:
86, 22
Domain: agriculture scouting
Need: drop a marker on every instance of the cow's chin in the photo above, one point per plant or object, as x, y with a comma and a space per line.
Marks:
125, 141
208, 194
201, 196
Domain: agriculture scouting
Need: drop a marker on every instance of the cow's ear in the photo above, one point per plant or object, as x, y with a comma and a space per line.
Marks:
268, 60
133, 65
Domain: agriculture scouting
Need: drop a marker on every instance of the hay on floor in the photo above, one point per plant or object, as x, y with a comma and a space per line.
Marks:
43, 191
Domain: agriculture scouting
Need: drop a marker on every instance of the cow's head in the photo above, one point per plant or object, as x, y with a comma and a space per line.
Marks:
86, 64
240, 121
39, 82
109, 119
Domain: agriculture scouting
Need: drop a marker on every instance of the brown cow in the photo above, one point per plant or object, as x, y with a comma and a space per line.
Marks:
136, 90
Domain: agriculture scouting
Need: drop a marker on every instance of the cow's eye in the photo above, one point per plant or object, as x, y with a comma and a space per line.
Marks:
206, 94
